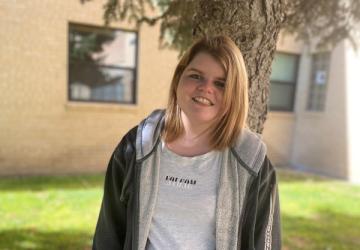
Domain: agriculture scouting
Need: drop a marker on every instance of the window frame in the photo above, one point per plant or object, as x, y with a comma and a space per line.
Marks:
134, 87
287, 83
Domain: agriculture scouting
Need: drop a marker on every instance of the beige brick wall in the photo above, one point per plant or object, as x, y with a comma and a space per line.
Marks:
41, 132
320, 138
278, 136
312, 141
353, 115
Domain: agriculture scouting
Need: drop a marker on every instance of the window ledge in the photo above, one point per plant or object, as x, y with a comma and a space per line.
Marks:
313, 114
281, 114
103, 107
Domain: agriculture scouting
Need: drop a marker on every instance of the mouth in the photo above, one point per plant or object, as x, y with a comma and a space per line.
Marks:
202, 100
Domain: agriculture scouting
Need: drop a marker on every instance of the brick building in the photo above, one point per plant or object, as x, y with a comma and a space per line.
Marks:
70, 89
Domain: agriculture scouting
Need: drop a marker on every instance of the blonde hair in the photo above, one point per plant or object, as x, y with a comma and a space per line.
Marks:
226, 127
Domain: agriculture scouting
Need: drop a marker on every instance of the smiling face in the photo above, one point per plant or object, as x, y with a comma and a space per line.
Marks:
197, 96
201, 89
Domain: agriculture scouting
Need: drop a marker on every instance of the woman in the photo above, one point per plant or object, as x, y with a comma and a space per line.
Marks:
192, 176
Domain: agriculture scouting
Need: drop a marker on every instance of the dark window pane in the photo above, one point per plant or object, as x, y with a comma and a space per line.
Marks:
118, 52
281, 96
284, 68
108, 84
283, 81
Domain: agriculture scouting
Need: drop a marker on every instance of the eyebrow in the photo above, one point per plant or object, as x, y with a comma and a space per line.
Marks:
199, 71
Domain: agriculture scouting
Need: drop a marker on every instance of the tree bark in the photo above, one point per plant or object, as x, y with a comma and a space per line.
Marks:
254, 25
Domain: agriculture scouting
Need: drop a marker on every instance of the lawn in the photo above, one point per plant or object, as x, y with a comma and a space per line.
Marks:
319, 213
49, 212
61, 212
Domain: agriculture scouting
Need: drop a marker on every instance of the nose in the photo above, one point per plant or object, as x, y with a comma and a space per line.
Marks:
206, 86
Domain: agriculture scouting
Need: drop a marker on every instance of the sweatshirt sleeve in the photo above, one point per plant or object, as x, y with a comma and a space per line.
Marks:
261, 228
110, 230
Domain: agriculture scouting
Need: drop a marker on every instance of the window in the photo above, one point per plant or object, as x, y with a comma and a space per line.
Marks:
318, 81
283, 81
102, 64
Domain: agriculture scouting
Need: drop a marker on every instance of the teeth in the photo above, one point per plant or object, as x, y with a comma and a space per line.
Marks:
202, 100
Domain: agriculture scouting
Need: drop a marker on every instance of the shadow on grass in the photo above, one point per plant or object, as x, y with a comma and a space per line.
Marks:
327, 230
39, 183
38, 240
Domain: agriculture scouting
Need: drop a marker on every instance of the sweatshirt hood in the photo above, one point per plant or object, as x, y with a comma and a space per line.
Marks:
148, 134
249, 149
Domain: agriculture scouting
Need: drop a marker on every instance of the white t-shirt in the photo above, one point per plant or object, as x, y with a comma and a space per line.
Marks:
184, 216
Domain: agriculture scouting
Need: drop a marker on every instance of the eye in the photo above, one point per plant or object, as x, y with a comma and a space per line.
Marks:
196, 76
220, 84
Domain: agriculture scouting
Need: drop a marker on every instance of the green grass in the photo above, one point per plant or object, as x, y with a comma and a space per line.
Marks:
61, 212
49, 212
319, 213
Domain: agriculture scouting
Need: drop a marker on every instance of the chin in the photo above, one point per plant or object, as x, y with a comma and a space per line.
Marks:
200, 116
205, 118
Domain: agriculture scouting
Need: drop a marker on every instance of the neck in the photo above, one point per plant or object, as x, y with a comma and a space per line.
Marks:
195, 139
194, 131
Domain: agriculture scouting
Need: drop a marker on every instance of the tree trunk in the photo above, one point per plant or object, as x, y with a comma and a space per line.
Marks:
254, 25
